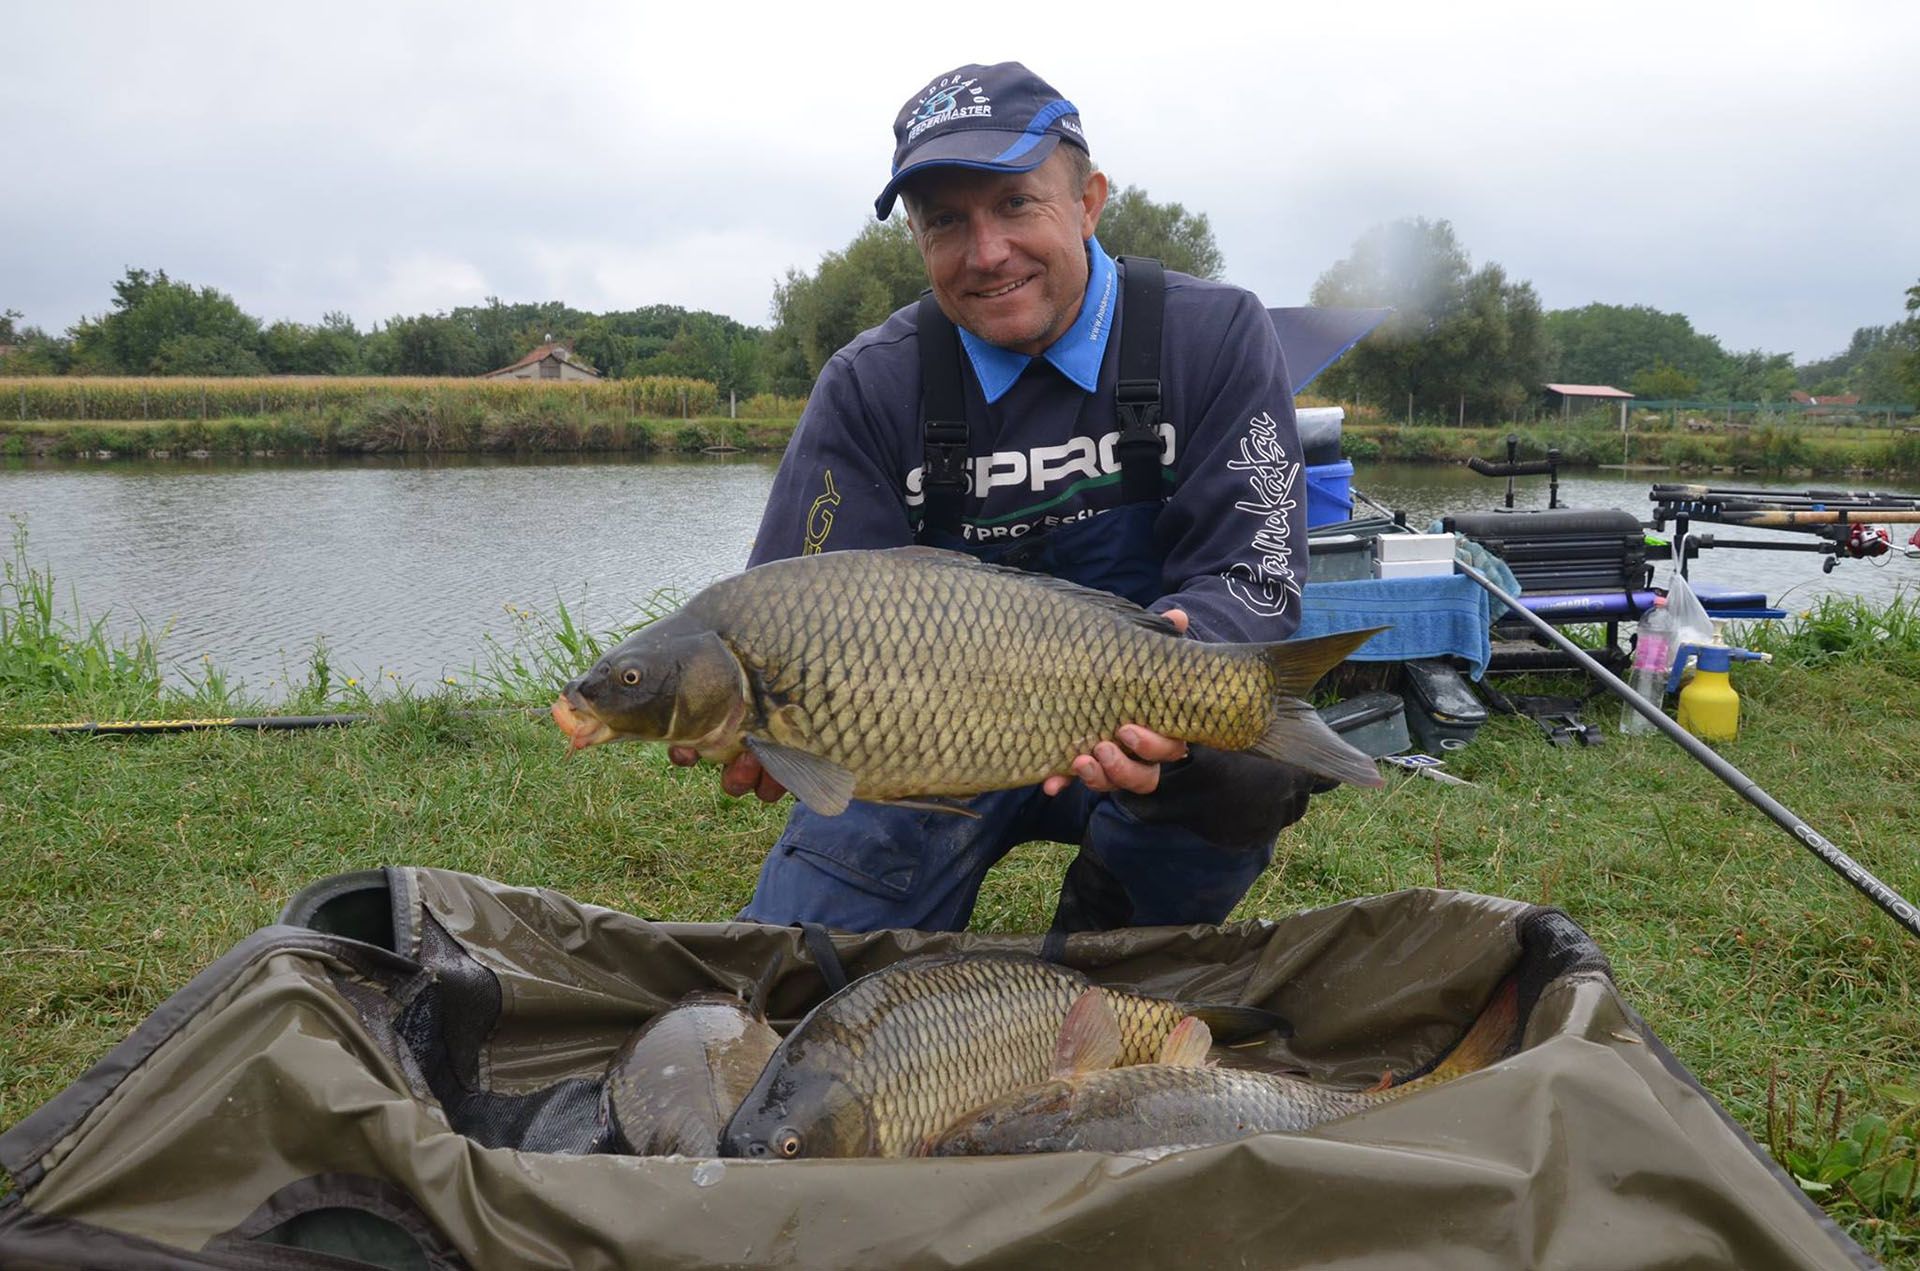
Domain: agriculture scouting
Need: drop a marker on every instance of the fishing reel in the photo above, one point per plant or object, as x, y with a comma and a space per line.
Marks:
1855, 541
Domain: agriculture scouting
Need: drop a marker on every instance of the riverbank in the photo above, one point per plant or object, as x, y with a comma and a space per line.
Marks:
1777, 450
127, 865
1785, 451
396, 432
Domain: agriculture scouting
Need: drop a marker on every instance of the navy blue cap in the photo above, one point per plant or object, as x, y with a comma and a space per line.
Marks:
999, 118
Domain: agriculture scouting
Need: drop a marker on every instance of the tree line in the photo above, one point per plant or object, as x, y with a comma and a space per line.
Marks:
162, 326
1462, 342
1476, 343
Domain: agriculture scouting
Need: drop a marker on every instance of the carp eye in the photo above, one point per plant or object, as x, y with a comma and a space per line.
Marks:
787, 1143
629, 677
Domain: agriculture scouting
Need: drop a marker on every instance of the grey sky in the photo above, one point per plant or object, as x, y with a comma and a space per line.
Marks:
1752, 166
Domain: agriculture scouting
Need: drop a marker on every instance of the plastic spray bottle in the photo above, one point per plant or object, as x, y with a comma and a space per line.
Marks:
1709, 708
1652, 654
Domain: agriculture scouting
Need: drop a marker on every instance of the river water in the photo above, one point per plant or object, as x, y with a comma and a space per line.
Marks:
406, 567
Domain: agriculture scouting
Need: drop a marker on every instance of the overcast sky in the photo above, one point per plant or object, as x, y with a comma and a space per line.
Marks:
1756, 167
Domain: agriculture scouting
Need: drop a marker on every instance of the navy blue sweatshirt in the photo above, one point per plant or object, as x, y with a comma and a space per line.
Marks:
1231, 534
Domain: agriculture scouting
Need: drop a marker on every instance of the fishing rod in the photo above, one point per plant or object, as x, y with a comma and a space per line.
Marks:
238, 723
1709, 504
1783, 519
1890, 902
1665, 490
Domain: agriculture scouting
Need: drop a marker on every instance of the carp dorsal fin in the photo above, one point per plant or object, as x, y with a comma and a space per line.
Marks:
1089, 1040
821, 784
1187, 1045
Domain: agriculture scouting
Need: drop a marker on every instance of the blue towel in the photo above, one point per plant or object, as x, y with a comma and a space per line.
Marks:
1428, 617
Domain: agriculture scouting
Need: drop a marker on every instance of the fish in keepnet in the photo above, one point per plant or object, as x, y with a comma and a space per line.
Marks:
1183, 1101
897, 1055
911, 674
673, 1085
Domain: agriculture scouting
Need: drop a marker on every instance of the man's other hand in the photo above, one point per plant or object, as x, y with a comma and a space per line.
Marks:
742, 774
1134, 764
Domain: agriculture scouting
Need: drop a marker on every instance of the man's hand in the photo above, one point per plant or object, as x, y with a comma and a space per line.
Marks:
742, 774
1136, 768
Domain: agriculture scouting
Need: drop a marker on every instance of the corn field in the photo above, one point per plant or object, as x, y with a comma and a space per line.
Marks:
124, 398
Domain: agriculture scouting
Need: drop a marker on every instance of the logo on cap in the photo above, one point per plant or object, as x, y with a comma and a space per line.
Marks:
940, 103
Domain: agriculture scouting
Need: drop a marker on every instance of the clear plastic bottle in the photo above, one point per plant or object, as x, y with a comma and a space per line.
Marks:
1652, 653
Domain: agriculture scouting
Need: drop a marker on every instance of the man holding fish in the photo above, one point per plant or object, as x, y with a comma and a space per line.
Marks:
1012, 418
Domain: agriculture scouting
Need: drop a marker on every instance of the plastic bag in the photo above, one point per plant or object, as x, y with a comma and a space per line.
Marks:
1691, 625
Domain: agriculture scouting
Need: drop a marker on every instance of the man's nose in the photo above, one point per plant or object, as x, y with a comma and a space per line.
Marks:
987, 244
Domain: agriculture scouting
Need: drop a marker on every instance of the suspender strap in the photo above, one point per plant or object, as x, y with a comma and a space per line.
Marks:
943, 412
1136, 401
943, 407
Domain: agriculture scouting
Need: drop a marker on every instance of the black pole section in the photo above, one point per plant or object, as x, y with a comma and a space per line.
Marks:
256, 723
1890, 901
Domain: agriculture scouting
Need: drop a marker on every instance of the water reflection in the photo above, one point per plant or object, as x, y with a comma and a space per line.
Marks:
399, 565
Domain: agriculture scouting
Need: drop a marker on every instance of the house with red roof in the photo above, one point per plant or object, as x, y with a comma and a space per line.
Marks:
551, 361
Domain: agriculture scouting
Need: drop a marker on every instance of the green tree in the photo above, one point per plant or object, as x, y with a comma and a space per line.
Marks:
29, 350
1664, 381
1458, 341
504, 333
853, 289
1134, 225
164, 327
1613, 344
1759, 376
1909, 365
429, 344
331, 348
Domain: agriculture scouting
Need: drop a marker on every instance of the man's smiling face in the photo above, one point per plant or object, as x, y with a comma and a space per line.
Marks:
1006, 252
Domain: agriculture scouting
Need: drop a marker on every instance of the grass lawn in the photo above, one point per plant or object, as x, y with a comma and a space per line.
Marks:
127, 864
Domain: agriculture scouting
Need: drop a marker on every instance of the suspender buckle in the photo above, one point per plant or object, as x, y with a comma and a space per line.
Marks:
946, 454
1137, 402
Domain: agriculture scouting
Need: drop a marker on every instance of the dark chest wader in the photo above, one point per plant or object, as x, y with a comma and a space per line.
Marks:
1115, 551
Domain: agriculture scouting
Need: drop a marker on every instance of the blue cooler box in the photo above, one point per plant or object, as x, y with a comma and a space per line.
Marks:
1329, 493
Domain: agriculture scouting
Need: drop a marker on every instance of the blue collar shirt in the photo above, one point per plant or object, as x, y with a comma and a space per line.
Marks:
1076, 354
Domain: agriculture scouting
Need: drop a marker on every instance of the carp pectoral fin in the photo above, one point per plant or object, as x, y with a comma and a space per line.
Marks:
1186, 1046
1089, 1040
1297, 735
821, 784
931, 805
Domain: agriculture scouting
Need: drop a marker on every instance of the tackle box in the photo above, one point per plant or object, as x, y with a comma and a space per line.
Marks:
1339, 558
1373, 723
1442, 711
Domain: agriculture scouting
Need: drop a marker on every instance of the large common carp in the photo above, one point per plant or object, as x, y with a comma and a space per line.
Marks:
675, 1083
918, 673
1092, 1107
899, 1054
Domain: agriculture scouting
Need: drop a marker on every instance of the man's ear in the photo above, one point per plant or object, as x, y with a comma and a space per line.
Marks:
1093, 201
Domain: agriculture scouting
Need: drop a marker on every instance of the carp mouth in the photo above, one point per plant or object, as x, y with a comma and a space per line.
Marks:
577, 720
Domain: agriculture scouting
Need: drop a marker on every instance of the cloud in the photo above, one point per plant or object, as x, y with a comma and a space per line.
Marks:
1746, 167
